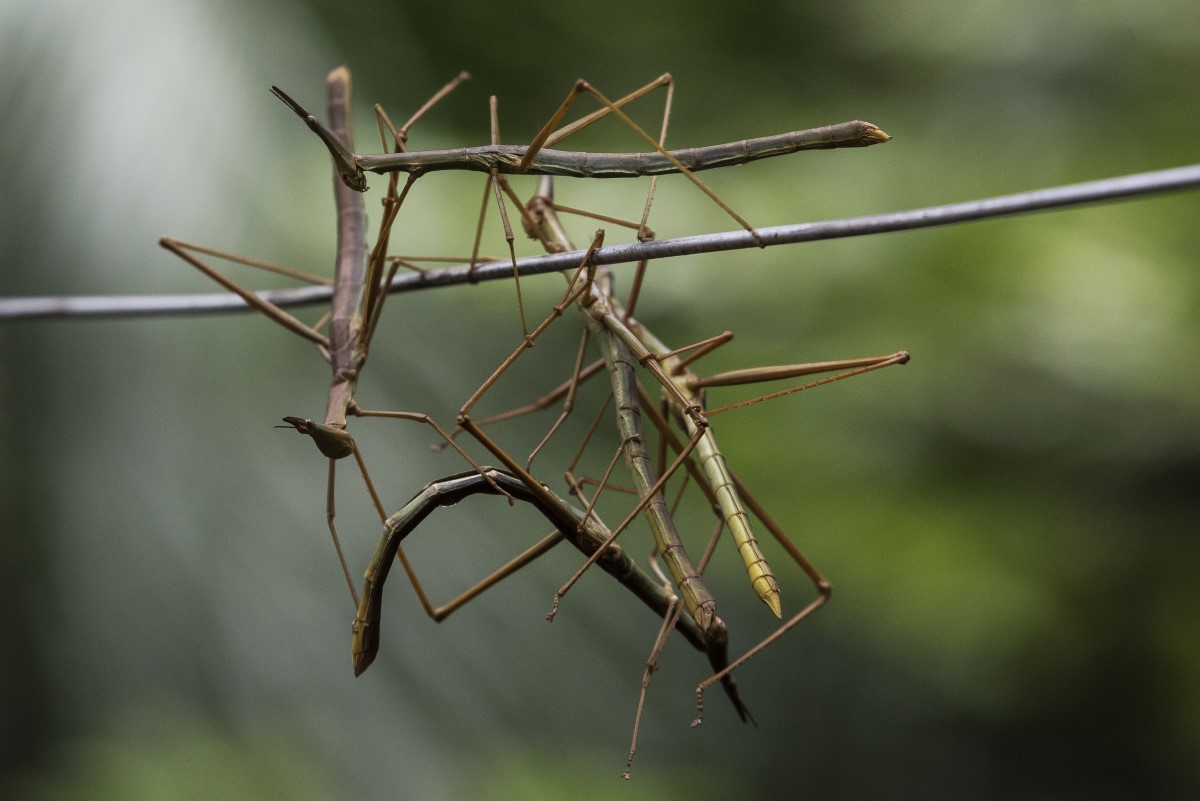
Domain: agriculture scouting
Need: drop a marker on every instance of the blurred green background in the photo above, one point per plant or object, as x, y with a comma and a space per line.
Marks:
1009, 521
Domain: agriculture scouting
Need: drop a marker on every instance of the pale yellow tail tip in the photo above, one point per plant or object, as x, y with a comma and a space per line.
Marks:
771, 599
767, 588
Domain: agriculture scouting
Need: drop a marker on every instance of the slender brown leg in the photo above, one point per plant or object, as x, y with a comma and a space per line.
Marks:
822, 586
544, 138
660, 642
330, 513
494, 186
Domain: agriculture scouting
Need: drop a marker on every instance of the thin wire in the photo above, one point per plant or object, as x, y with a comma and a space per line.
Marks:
1127, 186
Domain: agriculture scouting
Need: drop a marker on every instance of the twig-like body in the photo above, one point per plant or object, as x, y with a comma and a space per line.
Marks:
507, 158
588, 536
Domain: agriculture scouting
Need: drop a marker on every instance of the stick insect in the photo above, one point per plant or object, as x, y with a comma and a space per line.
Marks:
354, 316
586, 533
536, 159
696, 599
623, 343
497, 159
683, 398
617, 340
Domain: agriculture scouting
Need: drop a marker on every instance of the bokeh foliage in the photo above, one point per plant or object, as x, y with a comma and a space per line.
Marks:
1009, 521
